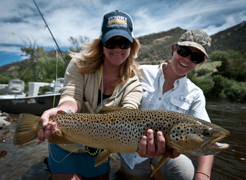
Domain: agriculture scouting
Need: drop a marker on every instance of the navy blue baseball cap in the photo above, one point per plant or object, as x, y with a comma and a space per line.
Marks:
117, 23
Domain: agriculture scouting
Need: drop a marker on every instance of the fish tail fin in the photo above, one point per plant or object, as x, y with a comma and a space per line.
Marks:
27, 128
161, 161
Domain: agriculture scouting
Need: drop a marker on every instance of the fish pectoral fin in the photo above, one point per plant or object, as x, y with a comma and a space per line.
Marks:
102, 157
58, 138
161, 161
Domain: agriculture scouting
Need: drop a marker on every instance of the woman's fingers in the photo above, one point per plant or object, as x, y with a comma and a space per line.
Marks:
41, 135
150, 143
49, 127
142, 149
161, 144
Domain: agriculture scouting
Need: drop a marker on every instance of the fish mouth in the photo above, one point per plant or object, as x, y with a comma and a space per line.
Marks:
214, 145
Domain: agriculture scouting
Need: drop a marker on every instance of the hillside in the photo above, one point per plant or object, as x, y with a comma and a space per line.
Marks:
233, 38
156, 47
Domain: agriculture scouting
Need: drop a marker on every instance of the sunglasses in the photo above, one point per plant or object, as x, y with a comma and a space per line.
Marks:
112, 43
194, 57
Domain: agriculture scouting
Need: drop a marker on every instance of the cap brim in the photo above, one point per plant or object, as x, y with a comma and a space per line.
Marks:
116, 32
195, 45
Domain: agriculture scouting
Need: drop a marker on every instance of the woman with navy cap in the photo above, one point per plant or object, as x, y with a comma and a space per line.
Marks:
103, 74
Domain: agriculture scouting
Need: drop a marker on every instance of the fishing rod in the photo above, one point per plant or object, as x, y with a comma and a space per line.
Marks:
50, 33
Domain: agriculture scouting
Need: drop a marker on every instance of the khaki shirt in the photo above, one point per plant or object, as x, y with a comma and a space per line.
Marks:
77, 85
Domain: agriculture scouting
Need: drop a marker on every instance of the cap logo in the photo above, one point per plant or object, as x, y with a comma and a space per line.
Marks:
117, 21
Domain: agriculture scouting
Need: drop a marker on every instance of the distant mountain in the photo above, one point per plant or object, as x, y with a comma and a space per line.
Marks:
233, 38
156, 47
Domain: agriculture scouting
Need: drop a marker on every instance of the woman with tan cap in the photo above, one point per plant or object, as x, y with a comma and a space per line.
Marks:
167, 87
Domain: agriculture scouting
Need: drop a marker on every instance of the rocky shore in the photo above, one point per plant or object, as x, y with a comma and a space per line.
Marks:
20, 159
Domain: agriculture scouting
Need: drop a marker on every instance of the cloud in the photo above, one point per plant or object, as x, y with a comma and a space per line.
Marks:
20, 20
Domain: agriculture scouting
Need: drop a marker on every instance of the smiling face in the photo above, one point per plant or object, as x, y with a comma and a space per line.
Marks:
182, 65
116, 56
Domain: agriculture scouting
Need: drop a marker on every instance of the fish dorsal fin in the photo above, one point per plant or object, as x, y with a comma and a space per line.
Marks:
109, 109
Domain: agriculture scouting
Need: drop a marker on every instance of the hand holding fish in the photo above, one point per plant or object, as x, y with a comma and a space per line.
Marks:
147, 146
49, 127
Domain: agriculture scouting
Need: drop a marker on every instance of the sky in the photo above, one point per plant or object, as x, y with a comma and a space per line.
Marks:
21, 22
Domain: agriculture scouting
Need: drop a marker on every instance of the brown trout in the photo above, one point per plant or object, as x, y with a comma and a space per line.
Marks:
115, 129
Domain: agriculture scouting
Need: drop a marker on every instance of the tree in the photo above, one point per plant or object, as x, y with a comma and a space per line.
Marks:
77, 43
33, 52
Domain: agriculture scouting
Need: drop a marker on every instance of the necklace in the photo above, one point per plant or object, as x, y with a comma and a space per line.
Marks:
102, 90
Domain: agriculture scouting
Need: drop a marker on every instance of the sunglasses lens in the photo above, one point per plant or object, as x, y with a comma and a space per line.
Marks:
183, 51
197, 58
112, 43
124, 43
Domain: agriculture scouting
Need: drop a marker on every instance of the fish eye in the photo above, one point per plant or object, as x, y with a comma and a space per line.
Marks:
207, 132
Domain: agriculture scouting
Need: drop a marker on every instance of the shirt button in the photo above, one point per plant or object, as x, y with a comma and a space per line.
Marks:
159, 98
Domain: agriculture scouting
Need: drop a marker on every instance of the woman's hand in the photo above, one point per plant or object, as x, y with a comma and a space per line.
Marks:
147, 146
49, 127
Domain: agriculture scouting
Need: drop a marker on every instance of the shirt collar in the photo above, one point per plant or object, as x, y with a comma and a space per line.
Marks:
177, 83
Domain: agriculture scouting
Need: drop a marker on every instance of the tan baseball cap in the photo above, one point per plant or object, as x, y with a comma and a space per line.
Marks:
196, 38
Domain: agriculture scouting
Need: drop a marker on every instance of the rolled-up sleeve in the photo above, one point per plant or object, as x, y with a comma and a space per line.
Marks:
133, 95
73, 85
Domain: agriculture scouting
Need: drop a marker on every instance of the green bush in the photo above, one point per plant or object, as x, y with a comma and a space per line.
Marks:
219, 55
233, 65
220, 88
206, 83
230, 89
4, 78
203, 71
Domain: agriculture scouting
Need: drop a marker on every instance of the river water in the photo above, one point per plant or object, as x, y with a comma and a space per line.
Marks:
231, 163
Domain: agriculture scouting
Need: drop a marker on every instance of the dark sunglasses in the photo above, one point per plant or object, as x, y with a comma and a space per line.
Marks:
194, 57
112, 43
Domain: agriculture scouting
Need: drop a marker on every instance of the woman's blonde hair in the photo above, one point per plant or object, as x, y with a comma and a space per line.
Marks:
91, 58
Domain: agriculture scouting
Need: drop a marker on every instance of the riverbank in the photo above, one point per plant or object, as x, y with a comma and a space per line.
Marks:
19, 160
